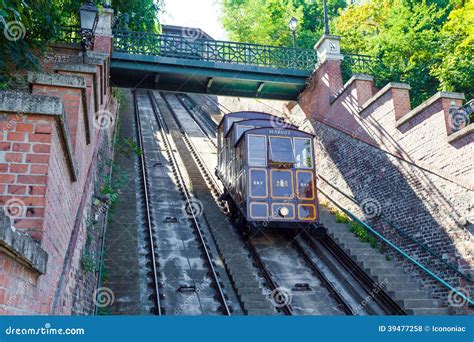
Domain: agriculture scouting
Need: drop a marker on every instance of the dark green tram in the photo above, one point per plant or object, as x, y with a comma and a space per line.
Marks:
268, 171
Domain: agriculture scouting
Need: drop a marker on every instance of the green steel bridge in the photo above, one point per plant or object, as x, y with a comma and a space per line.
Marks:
197, 65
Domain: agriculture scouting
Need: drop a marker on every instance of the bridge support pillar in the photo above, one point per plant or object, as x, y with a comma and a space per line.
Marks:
103, 34
326, 80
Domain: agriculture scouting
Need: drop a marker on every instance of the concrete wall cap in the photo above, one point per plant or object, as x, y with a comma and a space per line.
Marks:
60, 80
22, 246
450, 95
76, 67
20, 102
381, 92
100, 55
355, 77
324, 37
90, 59
469, 129
361, 77
422, 106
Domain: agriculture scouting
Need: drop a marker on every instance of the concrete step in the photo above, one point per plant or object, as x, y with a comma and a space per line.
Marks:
427, 311
250, 290
345, 235
260, 312
395, 286
335, 227
377, 263
401, 286
359, 245
409, 294
384, 271
396, 278
370, 256
419, 303
368, 251
260, 304
248, 282
251, 297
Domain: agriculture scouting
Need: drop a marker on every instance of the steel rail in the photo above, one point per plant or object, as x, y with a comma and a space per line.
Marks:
272, 284
161, 122
380, 296
325, 281
196, 120
208, 175
147, 205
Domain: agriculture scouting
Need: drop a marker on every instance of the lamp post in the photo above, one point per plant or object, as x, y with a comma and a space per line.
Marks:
89, 15
325, 11
292, 25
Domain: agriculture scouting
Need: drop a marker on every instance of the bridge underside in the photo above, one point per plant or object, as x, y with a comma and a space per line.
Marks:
197, 76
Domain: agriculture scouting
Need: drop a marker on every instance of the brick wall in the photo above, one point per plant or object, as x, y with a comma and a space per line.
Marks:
402, 167
408, 165
49, 149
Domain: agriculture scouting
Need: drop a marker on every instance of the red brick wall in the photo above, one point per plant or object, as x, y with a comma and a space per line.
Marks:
418, 178
26, 143
422, 140
36, 170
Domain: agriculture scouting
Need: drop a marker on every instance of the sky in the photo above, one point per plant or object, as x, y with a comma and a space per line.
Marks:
203, 14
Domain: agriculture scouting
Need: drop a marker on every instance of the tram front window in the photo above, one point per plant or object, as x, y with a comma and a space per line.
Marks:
281, 150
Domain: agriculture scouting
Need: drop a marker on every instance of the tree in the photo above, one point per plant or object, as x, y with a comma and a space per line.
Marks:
404, 36
455, 71
28, 26
138, 15
266, 21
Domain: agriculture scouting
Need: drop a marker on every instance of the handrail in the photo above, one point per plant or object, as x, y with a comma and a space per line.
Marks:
199, 48
213, 50
420, 244
398, 249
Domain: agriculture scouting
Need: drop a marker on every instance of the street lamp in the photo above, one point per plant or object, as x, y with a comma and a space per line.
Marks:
292, 24
325, 12
89, 15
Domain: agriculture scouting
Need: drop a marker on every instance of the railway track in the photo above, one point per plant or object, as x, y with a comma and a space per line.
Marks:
349, 294
278, 294
188, 273
148, 220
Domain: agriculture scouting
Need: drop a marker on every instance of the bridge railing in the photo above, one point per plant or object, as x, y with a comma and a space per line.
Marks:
213, 50
355, 63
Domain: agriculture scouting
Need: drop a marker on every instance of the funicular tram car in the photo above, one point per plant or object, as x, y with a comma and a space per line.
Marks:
268, 171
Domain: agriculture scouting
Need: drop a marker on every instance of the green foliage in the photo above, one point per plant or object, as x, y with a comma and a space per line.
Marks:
266, 21
456, 68
119, 95
128, 146
341, 217
423, 43
34, 24
138, 15
29, 25
89, 262
362, 233
427, 44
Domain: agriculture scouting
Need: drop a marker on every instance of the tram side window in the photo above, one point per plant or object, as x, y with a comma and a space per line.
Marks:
303, 155
257, 150
241, 130
281, 150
